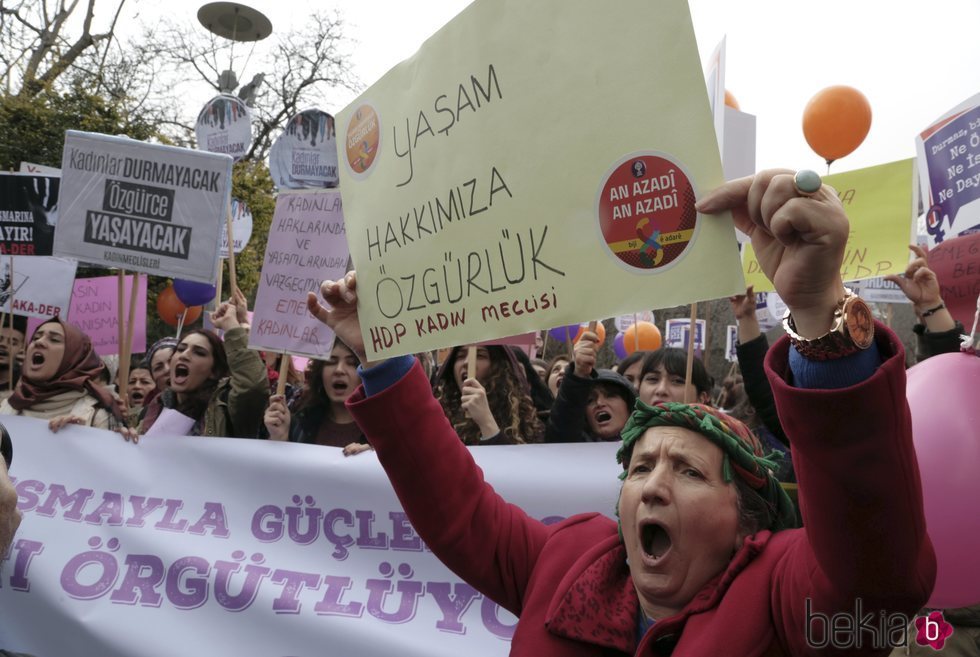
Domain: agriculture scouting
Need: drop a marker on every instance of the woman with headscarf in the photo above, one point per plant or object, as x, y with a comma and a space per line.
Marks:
494, 407
704, 559
59, 380
221, 386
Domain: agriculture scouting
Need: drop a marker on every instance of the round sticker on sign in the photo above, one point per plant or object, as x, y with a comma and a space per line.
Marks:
224, 126
645, 211
363, 140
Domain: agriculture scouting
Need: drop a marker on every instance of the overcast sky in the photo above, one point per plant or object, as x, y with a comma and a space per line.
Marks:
913, 60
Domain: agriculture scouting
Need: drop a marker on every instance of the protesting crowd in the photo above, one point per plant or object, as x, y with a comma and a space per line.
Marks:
703, 463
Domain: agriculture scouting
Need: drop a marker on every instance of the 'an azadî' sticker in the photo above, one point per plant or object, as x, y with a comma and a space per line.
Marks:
646, 212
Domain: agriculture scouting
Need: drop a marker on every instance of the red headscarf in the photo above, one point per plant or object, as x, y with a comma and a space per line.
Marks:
79, 370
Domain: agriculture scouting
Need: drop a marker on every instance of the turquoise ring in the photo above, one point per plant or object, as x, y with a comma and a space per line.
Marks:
807, 182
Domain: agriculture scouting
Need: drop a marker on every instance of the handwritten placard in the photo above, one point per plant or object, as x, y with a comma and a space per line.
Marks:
957, 266
306, 245
486, 195
880, 203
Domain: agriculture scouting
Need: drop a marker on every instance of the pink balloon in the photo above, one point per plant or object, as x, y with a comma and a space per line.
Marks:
943, 398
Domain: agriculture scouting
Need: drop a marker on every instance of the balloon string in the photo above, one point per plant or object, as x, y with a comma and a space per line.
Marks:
968, 340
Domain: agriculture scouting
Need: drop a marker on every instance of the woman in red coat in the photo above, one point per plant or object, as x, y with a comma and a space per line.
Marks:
703, 561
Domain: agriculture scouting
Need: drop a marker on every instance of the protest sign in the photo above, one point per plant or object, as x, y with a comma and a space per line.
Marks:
878, 290
306, 245
241, 228
957, 265
948, 155
30, 167
252, 547
41, 287
94, 309
144, 207
762, 314
623, 322
28, 213
880, 203
679, 332
714, 77
731, 342
489, 196
305, 154
224, 126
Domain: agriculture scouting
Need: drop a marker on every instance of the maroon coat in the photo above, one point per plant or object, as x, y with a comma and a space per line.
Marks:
570, 585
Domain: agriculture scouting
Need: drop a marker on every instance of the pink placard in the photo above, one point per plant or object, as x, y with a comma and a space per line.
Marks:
94, 310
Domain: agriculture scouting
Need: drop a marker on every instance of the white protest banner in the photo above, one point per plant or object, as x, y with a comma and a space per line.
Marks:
28, 213
248, 547
948, 151
143, 207
731, 341
486, 195
762, 314
241, 227
306, 245
678, 333
41, 287
94, 310
305, 154
224, 126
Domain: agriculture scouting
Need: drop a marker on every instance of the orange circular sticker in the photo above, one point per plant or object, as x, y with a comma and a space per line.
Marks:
646, 211
363, 138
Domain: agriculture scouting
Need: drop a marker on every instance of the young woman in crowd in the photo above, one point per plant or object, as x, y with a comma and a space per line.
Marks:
139, 386
556, 371
158, 359
495, 406
631, 367
319, 416
221, 386
592, 404
705, 559
663, 378
60, 381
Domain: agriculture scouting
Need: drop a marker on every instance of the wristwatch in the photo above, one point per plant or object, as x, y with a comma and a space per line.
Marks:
853, 329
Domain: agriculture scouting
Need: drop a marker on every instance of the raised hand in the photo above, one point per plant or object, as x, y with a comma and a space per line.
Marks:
340, 313
477, 407
585, 354
798, 240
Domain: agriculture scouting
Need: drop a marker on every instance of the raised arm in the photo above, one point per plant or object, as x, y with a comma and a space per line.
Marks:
844, 409
491, 544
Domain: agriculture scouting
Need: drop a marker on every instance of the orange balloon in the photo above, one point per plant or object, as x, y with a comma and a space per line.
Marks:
836, 121
649, 337
730, 100
169, 307
600, 330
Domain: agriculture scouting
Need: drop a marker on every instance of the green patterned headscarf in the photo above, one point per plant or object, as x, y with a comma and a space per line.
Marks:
741, 451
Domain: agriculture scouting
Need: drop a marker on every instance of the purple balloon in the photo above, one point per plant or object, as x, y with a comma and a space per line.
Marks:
194, 294
564, 333
618, 347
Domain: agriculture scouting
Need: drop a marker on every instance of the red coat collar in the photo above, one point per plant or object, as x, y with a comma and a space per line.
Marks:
597, 602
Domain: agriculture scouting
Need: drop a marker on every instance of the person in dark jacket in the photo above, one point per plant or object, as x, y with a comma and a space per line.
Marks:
592, 404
